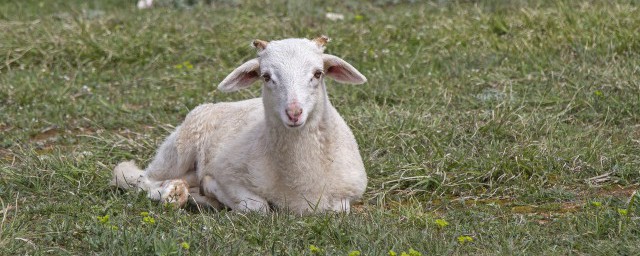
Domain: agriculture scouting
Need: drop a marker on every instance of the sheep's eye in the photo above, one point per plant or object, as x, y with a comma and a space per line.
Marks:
318, 74
266, 77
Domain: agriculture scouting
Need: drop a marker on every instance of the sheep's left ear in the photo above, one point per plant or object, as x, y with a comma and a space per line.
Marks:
242, 77
342, 71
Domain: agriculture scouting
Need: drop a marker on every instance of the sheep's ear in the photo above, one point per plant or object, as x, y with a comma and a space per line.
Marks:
242, 77
342, 71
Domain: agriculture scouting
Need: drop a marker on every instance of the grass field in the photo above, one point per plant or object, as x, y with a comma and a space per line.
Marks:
486, 127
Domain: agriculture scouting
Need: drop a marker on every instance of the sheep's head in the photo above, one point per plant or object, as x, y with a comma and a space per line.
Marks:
293, 71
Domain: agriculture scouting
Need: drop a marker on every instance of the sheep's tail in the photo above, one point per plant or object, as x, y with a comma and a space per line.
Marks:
127, 175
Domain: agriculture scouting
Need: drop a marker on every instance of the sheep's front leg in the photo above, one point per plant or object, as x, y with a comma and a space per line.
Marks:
170, 163
233, 195
174, 191
171, 173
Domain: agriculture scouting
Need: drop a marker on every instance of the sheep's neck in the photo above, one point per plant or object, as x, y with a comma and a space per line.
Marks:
305, 143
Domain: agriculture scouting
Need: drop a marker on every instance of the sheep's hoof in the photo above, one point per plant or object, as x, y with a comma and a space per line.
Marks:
175, 192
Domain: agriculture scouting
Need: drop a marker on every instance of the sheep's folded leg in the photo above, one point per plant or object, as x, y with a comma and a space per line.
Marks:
234, 196
195, 198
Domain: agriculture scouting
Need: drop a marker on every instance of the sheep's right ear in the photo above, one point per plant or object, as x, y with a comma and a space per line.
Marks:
242, 77
342, 71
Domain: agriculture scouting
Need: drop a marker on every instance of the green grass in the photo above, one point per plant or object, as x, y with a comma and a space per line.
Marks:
518, 123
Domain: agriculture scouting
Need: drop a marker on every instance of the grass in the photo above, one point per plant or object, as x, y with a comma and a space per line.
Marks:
517, 124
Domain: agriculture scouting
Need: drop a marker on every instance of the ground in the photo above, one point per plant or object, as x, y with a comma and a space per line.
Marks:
486, 127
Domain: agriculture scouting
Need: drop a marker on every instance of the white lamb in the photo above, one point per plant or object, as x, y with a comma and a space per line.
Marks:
289, 149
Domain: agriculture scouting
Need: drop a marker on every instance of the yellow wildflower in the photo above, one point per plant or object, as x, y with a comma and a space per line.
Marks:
314, 249
149, 220
413, 252
442, 223
622, 212
465, 239
103, 219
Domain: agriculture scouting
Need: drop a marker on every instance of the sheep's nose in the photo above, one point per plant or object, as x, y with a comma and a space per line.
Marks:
294, 111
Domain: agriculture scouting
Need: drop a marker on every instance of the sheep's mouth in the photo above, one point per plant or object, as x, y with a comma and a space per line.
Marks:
294, 125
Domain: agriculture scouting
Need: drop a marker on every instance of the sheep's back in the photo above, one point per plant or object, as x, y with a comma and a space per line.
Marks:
208, 126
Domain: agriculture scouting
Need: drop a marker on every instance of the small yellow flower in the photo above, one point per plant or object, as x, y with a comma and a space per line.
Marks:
596, 203
149, 220
187, 65
103, 219
442, 223
392, 253
413, 252
622, 212
465, 239
185, 245
114, 227
144, 214
354, 253
314, 249
358, 17
179, 66
404, 254
598, 93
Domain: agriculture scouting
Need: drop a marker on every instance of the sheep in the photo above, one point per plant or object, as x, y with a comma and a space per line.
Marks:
289, 149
